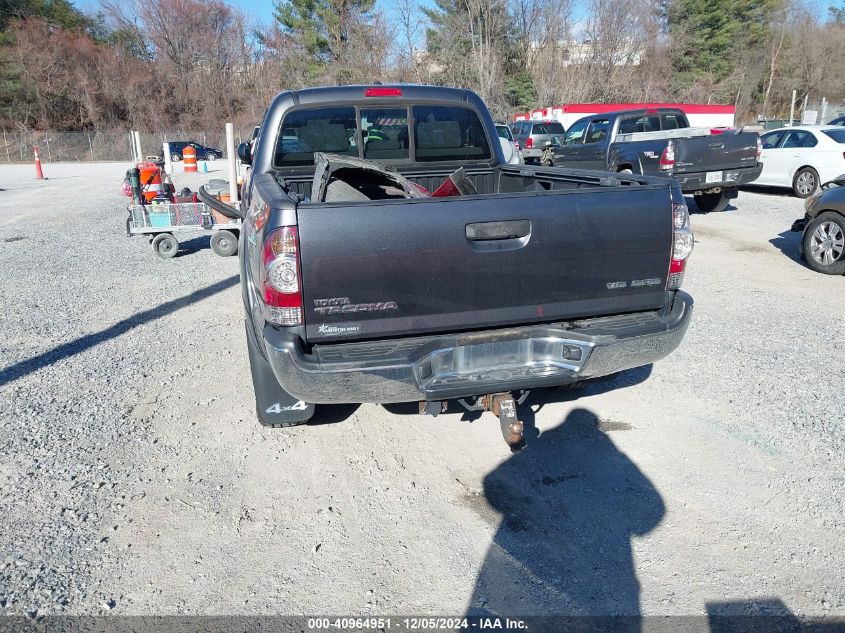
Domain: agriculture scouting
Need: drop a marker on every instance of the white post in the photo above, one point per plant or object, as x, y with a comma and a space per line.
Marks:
792, 108
804, 107
138, 145
132, 146
233, 168
824, 111
168, 164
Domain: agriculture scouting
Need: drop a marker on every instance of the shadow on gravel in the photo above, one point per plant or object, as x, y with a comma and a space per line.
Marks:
25, 367
568, 506
757, 615
693, 207
781, 192
332, 413
194, 245
787, 243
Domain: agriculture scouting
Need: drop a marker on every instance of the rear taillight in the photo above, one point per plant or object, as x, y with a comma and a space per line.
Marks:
759, 149
667, 158
280, 275
516, 144
682, 244
529, 143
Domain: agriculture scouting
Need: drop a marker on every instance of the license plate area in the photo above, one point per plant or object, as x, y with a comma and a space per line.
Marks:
501, 361
714, 176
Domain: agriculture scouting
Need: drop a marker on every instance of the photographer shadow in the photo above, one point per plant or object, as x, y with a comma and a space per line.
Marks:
568, 507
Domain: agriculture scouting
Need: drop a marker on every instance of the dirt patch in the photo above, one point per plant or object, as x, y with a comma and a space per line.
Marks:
613, 425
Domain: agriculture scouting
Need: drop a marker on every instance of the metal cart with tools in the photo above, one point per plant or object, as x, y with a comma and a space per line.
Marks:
162, 222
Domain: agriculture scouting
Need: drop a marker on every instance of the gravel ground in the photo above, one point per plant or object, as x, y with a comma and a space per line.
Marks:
135, 479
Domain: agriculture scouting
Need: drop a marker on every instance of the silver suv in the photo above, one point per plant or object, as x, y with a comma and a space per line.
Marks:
532, 136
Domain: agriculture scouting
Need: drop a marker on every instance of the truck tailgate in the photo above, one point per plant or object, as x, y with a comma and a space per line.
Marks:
716, 152
390, 268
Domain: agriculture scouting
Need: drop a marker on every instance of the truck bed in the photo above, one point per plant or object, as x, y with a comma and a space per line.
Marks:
535, 245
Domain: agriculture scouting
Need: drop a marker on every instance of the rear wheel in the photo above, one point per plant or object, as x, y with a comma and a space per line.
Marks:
805, 182
175, 158
824, 244
224, 243
165, 245
709, 202
211, 157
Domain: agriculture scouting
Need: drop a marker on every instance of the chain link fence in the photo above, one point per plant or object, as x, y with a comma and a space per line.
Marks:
99, 146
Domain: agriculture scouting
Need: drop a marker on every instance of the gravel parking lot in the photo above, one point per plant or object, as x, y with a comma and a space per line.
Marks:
134, 478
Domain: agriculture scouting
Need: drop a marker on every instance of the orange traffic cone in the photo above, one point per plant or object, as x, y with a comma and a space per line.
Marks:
39, 174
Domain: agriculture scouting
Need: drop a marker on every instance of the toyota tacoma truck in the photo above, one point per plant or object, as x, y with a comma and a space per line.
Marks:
360, 285
710, 166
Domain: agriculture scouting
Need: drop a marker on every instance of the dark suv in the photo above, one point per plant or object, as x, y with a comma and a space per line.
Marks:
203, 153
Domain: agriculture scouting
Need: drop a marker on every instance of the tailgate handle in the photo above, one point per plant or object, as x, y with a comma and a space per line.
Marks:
509, 229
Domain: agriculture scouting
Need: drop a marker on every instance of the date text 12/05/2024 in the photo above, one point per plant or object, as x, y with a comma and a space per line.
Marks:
416, 623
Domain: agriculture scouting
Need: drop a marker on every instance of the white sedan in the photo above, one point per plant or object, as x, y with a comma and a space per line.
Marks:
802, 157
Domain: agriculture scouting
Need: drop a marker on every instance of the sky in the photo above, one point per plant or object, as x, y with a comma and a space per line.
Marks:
262, 10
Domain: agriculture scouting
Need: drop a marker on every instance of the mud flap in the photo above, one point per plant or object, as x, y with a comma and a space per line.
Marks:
274, 406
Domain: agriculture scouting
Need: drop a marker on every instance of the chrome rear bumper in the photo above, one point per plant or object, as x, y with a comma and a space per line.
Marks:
450, 366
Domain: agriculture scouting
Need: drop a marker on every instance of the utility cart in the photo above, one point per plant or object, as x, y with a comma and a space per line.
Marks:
162, 222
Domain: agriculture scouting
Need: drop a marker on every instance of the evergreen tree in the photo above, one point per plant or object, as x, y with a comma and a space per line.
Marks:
710, 36
322, 27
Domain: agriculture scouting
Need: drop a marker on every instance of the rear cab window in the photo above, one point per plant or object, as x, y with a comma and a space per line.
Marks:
635, 124
384, 133
448, 133
672, 121
332, 130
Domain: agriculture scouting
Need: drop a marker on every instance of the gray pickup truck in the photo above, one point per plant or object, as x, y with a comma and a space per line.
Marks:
360, 285
660, 141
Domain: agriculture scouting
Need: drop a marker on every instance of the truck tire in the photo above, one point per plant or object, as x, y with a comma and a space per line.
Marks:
224, 243
165, 245
274, 406
805, 182
824, 244
710, 202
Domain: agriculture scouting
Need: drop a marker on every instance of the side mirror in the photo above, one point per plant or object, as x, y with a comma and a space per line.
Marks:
245, 154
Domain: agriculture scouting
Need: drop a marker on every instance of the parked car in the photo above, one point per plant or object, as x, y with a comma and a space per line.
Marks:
822, 243
532, 136
802, 157
838, 121
514, 155
360, 288
660, 141
203, 152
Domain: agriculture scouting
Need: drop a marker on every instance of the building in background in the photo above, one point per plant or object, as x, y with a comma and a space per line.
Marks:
699, 115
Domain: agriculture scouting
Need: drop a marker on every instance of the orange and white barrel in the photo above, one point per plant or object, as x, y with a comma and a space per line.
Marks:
189, 156
150, 180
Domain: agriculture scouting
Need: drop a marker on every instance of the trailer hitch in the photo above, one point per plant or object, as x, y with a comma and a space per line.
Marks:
503, 406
